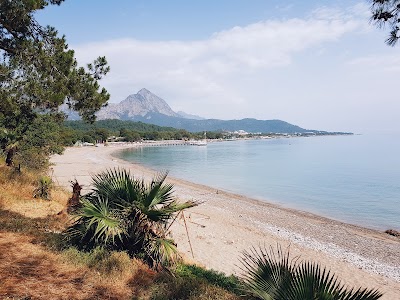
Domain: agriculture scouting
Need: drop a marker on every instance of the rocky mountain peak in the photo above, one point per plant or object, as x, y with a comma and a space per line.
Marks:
143, 92
139, 104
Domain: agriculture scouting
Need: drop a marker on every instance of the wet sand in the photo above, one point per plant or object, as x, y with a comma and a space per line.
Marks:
226, 224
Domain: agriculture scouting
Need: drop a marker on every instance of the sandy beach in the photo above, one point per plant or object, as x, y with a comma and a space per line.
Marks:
225, 225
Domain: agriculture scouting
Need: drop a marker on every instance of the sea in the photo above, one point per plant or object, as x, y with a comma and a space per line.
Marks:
351, 178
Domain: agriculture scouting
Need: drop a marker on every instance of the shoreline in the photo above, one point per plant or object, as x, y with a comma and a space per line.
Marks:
253, 200
221, 229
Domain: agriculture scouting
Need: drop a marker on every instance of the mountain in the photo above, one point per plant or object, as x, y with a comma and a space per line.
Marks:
137, 105
249, 125
147, 107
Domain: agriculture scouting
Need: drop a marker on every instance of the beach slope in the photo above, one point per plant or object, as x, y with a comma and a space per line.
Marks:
225, 225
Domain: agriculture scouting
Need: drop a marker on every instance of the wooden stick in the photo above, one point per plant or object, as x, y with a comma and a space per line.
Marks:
187, 233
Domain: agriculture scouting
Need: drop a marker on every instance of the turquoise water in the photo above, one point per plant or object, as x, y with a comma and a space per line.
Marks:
355, 179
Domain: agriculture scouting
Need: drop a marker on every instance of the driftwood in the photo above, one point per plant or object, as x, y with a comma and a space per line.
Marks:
73, 202
393, 232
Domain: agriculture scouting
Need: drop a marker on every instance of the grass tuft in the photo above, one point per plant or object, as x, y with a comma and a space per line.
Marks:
191, 288
106, 263
230, 283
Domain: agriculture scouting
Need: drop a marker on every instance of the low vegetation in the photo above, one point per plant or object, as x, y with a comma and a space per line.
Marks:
38, 262
43, 189
271, 274
127, 214
128, 131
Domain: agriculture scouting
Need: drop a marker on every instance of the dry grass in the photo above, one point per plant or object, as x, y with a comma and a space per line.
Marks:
16, 194
31, 270
36, 264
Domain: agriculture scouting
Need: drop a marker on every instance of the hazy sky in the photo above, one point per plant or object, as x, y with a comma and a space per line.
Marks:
316, 64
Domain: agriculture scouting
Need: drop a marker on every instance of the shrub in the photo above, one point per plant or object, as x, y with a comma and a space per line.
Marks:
126, 214
230, 283
271, 275
43, 189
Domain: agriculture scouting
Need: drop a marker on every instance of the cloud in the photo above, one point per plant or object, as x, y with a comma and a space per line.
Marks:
223, 75
285, 7
388, 63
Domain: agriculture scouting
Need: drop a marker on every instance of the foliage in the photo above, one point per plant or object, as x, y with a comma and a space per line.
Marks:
387, 12
38, 73
43, 188
272, 275
115, 125
130, 135
32, 143
177, 287
100, 259
131, 131
229, 283
38, 141
17, 22
128, 214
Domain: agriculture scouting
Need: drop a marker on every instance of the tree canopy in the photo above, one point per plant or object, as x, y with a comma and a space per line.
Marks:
387, 13
38, 73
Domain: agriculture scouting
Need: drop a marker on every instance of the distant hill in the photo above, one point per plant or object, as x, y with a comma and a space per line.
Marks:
146, 107
189, 116
249, 125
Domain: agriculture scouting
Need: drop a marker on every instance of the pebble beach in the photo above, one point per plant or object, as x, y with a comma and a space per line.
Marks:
225, 224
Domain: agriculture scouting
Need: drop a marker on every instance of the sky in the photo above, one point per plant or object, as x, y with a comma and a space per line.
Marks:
316, 64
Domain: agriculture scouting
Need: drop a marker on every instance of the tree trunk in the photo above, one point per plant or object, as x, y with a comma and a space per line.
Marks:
10, 157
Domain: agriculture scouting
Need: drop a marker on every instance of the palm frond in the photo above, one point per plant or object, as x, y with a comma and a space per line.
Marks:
360, 294
164, 213
118, 186
309, 281
266, 271
100, 221
156, 192
162, 251
271, 275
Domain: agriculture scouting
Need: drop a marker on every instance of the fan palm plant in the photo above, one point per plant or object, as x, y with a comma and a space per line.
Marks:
272, 275
125, 213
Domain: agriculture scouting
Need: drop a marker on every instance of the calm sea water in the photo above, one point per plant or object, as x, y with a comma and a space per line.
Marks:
355, 179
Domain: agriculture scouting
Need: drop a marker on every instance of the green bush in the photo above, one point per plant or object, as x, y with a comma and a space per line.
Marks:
188, 287
43, 189
229, 283
100, 259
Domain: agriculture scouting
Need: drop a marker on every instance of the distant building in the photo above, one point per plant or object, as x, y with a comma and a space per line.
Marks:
240, 132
